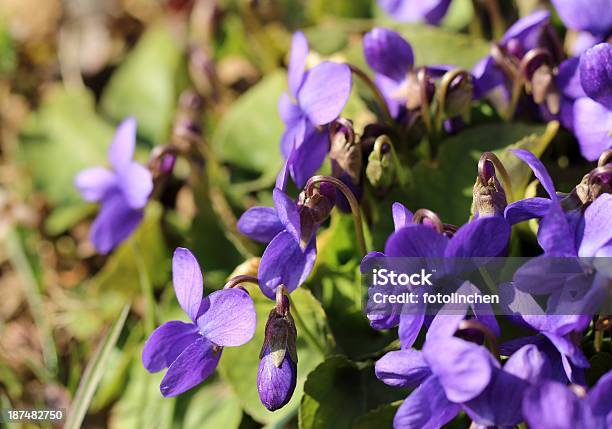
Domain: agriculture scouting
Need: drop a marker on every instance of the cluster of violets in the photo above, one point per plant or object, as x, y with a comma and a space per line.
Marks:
538, 379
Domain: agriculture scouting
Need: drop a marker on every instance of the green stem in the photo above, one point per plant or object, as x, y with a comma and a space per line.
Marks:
238, 280
354, 204
380, 99
497, 19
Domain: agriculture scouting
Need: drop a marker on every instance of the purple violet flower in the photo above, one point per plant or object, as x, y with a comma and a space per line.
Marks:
596, 74
290, 230
392, 59
584, 84
122, 191
316, 97
487, 236
521, 37
430, 11
191, 350
557, 334
564, 233
451, 374
591, 18
552, 405
593, 114
288, 258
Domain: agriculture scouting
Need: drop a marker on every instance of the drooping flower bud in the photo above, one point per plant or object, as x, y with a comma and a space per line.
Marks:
315, 209
187, 129
277, 373
458, 90
417, 89
162, 160
537, 68
381, 169
203, 73
593, 184
344, 152
489, 197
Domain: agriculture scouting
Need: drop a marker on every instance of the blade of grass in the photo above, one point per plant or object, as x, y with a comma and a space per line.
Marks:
21, 264
5, 403
93, 373
146, 287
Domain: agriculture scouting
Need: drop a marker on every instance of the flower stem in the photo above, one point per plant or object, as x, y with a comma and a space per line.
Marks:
423, 81
603, 323
605, 158
380, 99
238, 280
348, 194
421, 214
497, 19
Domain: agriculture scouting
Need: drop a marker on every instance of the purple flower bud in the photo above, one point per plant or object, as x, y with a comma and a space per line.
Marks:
277, 373
162, 160
489, 197
596, 73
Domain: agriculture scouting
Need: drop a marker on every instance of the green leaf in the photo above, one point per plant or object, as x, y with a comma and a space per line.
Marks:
434, 45
61, 138
336, 278
120, 273
446, 187
239, 365
208, 238
338, 391
519, 172
381, 417
459, 15
249, 134
93, 373
142, 405
317, 9
601, 363
146, 84
213, 406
